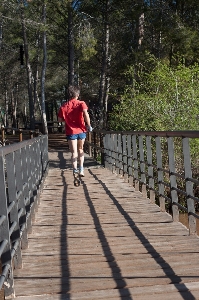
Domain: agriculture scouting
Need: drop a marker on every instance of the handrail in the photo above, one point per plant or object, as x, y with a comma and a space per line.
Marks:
20, 131
177, 133
157, 163
23, 168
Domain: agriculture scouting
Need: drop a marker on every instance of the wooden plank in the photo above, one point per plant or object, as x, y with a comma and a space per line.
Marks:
177, 291
54, 285
103, 240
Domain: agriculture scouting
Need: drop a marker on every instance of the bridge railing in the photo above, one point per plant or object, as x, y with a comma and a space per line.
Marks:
161, 165
23, 168
18, 133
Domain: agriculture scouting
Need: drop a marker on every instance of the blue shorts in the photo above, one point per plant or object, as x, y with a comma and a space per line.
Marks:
78, 136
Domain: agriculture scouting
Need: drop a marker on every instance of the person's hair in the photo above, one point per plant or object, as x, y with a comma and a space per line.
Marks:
73, 91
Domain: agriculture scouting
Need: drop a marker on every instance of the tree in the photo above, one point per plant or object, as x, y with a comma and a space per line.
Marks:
105, 63
164, 99
43, 73
71, 62
28, 70
92, 43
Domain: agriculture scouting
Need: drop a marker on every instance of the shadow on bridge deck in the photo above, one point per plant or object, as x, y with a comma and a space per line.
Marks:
103, 240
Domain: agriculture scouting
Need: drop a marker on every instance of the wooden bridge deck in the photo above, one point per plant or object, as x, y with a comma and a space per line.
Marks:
103, 240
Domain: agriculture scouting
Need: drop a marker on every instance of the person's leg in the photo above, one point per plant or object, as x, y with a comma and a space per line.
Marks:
80, 149
74, 153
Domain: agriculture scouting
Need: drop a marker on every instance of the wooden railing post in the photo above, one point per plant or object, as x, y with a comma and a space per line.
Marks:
109, 158
20, 135
150, 170
116, 154
89, 146
173, 183
36, 132
95, 143
129, 159
189, 186
106, 145
142, 166
120, 156
160, 173
125, 160
113, 154
135, 163
102, 147
31, 134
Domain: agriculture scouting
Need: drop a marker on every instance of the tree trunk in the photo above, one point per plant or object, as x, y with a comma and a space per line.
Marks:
70, 45
29, 72
106, 102
1, 33
37, 104
43, 74
14, 112
14, 107
103, 96
139, 31
24, 115
12, 115
6, 105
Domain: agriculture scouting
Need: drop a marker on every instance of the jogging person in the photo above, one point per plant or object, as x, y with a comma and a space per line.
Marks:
77, 122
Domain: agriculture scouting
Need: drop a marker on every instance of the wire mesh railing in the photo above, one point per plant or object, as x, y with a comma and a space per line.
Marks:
164, 166
23, 168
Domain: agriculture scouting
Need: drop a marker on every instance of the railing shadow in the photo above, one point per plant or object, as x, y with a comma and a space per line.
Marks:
65, 279
121, 284
61, 162
166, 268
65, 271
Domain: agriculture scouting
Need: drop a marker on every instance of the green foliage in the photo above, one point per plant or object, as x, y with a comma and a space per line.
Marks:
85, 42
164, 99
153, 95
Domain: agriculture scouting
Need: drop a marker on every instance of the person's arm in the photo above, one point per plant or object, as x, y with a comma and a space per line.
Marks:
60, 115
86, 117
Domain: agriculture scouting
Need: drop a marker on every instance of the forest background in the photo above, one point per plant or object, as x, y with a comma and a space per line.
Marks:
136, 62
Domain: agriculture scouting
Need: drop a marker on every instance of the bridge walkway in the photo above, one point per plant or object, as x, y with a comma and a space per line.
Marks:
103, 240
